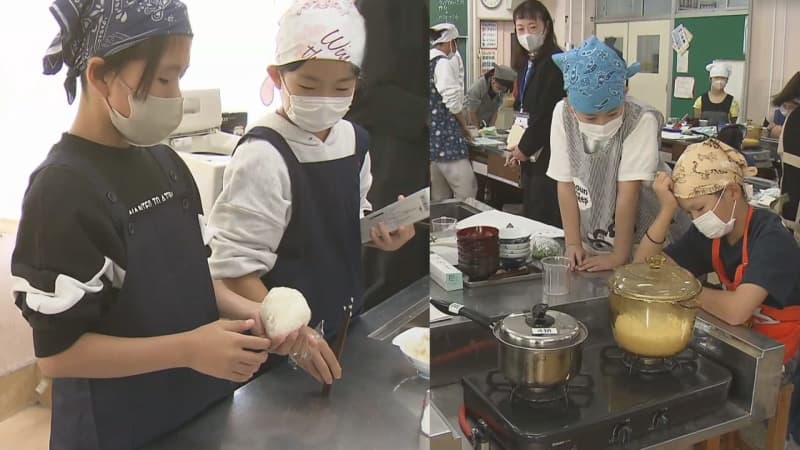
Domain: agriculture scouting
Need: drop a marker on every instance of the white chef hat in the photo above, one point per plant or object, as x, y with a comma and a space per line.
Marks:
719, 70
449, 33
318, 29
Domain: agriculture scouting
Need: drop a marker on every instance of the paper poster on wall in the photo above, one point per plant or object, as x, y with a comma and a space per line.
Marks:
488, 58
681, 38
684, 87
488, 34
683, 62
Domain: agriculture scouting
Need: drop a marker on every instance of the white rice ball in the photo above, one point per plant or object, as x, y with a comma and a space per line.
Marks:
284, 310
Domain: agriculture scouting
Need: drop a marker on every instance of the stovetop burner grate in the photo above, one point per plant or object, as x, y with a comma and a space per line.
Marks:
635, 364
558, 393
578, 390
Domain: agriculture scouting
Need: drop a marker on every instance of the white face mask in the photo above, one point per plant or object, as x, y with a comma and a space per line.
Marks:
601, 132
712, 226
151, 120
719, 84
315, 114
531, 42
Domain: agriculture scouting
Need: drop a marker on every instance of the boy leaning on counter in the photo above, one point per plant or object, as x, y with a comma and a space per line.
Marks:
755, 257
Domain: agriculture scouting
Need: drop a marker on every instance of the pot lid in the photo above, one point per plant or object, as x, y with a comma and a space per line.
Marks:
542, 329
654, 281
512, 232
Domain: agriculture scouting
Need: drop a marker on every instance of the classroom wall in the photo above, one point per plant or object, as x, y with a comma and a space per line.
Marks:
774, 58
715, 37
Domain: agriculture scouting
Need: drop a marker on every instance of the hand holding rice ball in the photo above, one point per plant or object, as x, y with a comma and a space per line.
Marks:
283, 311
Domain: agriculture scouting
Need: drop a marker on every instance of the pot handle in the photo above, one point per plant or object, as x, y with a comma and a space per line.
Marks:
457, 309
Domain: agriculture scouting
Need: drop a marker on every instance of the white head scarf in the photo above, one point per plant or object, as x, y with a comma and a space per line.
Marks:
449, 33
318, 29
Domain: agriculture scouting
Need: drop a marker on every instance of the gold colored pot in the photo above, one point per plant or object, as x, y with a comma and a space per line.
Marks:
653, 307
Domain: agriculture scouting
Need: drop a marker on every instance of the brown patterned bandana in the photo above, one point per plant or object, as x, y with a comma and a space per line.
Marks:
708, 167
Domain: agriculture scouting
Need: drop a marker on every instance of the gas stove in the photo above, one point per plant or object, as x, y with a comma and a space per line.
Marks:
616, 400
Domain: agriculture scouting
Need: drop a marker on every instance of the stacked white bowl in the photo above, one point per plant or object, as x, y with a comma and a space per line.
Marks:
515, 247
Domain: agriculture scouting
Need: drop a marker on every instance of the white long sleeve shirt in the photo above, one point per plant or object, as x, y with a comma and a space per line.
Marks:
251, 214
448, 82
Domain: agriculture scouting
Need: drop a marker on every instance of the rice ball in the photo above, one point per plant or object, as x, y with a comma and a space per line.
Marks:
284, 310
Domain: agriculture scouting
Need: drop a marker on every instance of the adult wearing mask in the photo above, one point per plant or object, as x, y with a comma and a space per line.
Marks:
605, 152
485, 96
451, 171
784, 102
717, 106
541, 87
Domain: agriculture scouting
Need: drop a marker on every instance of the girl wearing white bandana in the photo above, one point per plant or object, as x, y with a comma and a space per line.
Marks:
288, 214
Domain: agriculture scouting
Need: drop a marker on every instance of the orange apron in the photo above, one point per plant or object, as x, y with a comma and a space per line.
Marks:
782, 325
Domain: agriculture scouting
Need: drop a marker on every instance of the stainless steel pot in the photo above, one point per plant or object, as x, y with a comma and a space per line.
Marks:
539, 349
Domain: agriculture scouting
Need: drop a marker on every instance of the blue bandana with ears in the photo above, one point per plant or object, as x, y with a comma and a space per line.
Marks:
105, 27
594, 76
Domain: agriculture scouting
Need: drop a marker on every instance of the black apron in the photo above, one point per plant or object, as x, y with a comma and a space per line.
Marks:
716, 114
320, 251
167, 289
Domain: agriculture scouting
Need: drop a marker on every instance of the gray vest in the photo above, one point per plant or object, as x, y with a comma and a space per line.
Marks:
595, 173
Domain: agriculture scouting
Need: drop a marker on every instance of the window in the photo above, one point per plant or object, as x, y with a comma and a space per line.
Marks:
738, 3
619, 8
648, 53
657, 8
617, 42
633, 8
691, 5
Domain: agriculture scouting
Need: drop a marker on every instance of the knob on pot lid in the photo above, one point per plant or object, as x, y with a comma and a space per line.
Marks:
510, 232
654, 281
542, 329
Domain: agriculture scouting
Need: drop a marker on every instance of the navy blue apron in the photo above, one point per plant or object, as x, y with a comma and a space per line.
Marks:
447, 142
320, 251
167, 289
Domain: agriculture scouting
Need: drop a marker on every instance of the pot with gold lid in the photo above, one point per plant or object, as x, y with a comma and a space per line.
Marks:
653, 307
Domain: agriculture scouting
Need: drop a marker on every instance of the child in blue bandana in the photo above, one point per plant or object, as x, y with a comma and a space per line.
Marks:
604, 152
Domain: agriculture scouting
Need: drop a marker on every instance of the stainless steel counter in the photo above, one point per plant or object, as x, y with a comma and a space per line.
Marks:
754, 360
376, 405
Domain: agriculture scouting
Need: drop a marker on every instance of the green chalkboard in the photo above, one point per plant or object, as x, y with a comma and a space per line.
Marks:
450, 11
715, 37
